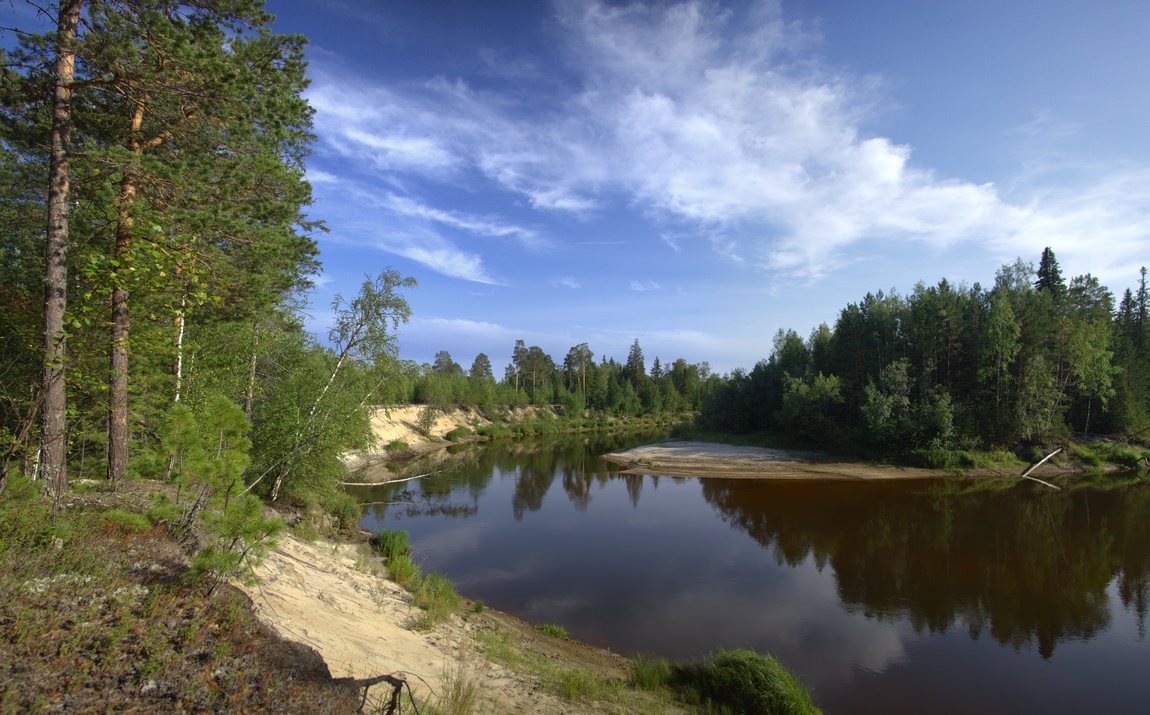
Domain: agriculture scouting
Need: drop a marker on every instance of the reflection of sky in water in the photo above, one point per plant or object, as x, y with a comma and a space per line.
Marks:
669, 577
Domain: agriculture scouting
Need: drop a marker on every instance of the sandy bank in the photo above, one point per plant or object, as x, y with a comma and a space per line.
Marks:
711, 459
322, 594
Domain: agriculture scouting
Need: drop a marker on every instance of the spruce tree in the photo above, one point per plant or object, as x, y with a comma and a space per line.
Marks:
1049, 277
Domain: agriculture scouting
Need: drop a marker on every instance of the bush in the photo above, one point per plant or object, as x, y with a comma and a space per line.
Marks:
391, 543
345, 508
397, 445
746, 682
457, 433
426, 420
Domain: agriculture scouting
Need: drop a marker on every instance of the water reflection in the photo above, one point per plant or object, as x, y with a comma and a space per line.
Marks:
1026, 566
899, 591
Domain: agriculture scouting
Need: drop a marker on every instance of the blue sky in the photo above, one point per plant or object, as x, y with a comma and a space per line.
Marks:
698, 175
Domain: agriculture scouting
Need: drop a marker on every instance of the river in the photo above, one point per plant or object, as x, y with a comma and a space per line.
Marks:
941, 596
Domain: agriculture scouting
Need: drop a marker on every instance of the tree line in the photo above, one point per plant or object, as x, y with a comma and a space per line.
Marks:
577, 384
156, 252
1030, 360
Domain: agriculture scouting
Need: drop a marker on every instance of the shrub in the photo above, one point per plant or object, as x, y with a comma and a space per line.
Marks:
345, 508
1087, 457
457, 433
391, 543
426, 420
479, 606
746, 681
397, 445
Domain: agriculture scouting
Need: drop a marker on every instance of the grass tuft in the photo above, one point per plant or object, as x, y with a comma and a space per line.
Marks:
391, 543
744, 681
436, 595
403, 570
553, 629
649, 673
397, 445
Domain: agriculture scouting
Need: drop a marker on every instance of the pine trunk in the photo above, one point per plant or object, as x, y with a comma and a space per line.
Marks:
118, 382
53, 421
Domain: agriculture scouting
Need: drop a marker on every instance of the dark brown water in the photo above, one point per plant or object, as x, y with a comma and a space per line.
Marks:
885, 597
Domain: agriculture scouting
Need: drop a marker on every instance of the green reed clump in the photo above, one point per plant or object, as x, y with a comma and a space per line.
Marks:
436, 595
649, 673
391, 543
402, 570
746, 682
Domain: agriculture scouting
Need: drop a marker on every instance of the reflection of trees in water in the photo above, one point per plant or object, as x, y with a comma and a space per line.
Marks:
1026, 566
534, 464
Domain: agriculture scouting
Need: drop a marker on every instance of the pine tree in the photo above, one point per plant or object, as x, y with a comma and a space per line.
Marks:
635, 371
1049, 277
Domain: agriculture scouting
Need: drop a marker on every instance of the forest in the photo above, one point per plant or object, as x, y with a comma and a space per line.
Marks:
159, 251
157, 255
1032, 360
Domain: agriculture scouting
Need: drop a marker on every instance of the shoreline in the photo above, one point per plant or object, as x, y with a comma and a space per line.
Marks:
334, 598
723, 461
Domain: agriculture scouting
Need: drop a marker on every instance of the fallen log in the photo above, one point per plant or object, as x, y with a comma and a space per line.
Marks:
1036, 465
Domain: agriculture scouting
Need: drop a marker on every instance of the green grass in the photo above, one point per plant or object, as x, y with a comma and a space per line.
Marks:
478, 607
553, 629
573, 685
403, 570
649, 673
391, 543
436, 595
397, 445
131, 521
457, 433
743, 681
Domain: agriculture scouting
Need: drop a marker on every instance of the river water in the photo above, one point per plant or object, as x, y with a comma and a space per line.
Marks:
940, 596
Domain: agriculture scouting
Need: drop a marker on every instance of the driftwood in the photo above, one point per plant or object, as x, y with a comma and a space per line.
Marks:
1036, 465
391, 481
396, 684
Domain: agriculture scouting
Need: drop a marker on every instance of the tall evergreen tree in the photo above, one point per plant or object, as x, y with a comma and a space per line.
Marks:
1049, 277
481, 368
635, 371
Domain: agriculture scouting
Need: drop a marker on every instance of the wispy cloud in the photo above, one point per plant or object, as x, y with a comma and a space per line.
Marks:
645, 286
567, 282
715, 127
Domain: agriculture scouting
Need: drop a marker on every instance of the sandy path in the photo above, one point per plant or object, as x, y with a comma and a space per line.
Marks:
711, 459
314, 594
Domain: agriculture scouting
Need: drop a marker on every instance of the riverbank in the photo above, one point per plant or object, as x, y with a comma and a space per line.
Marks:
402, 435
716, 459
99, 611
332, 597
713, 459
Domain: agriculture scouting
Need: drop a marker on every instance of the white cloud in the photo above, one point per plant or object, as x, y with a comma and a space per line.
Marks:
722, 128
642, 286
567, 282
482, 226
